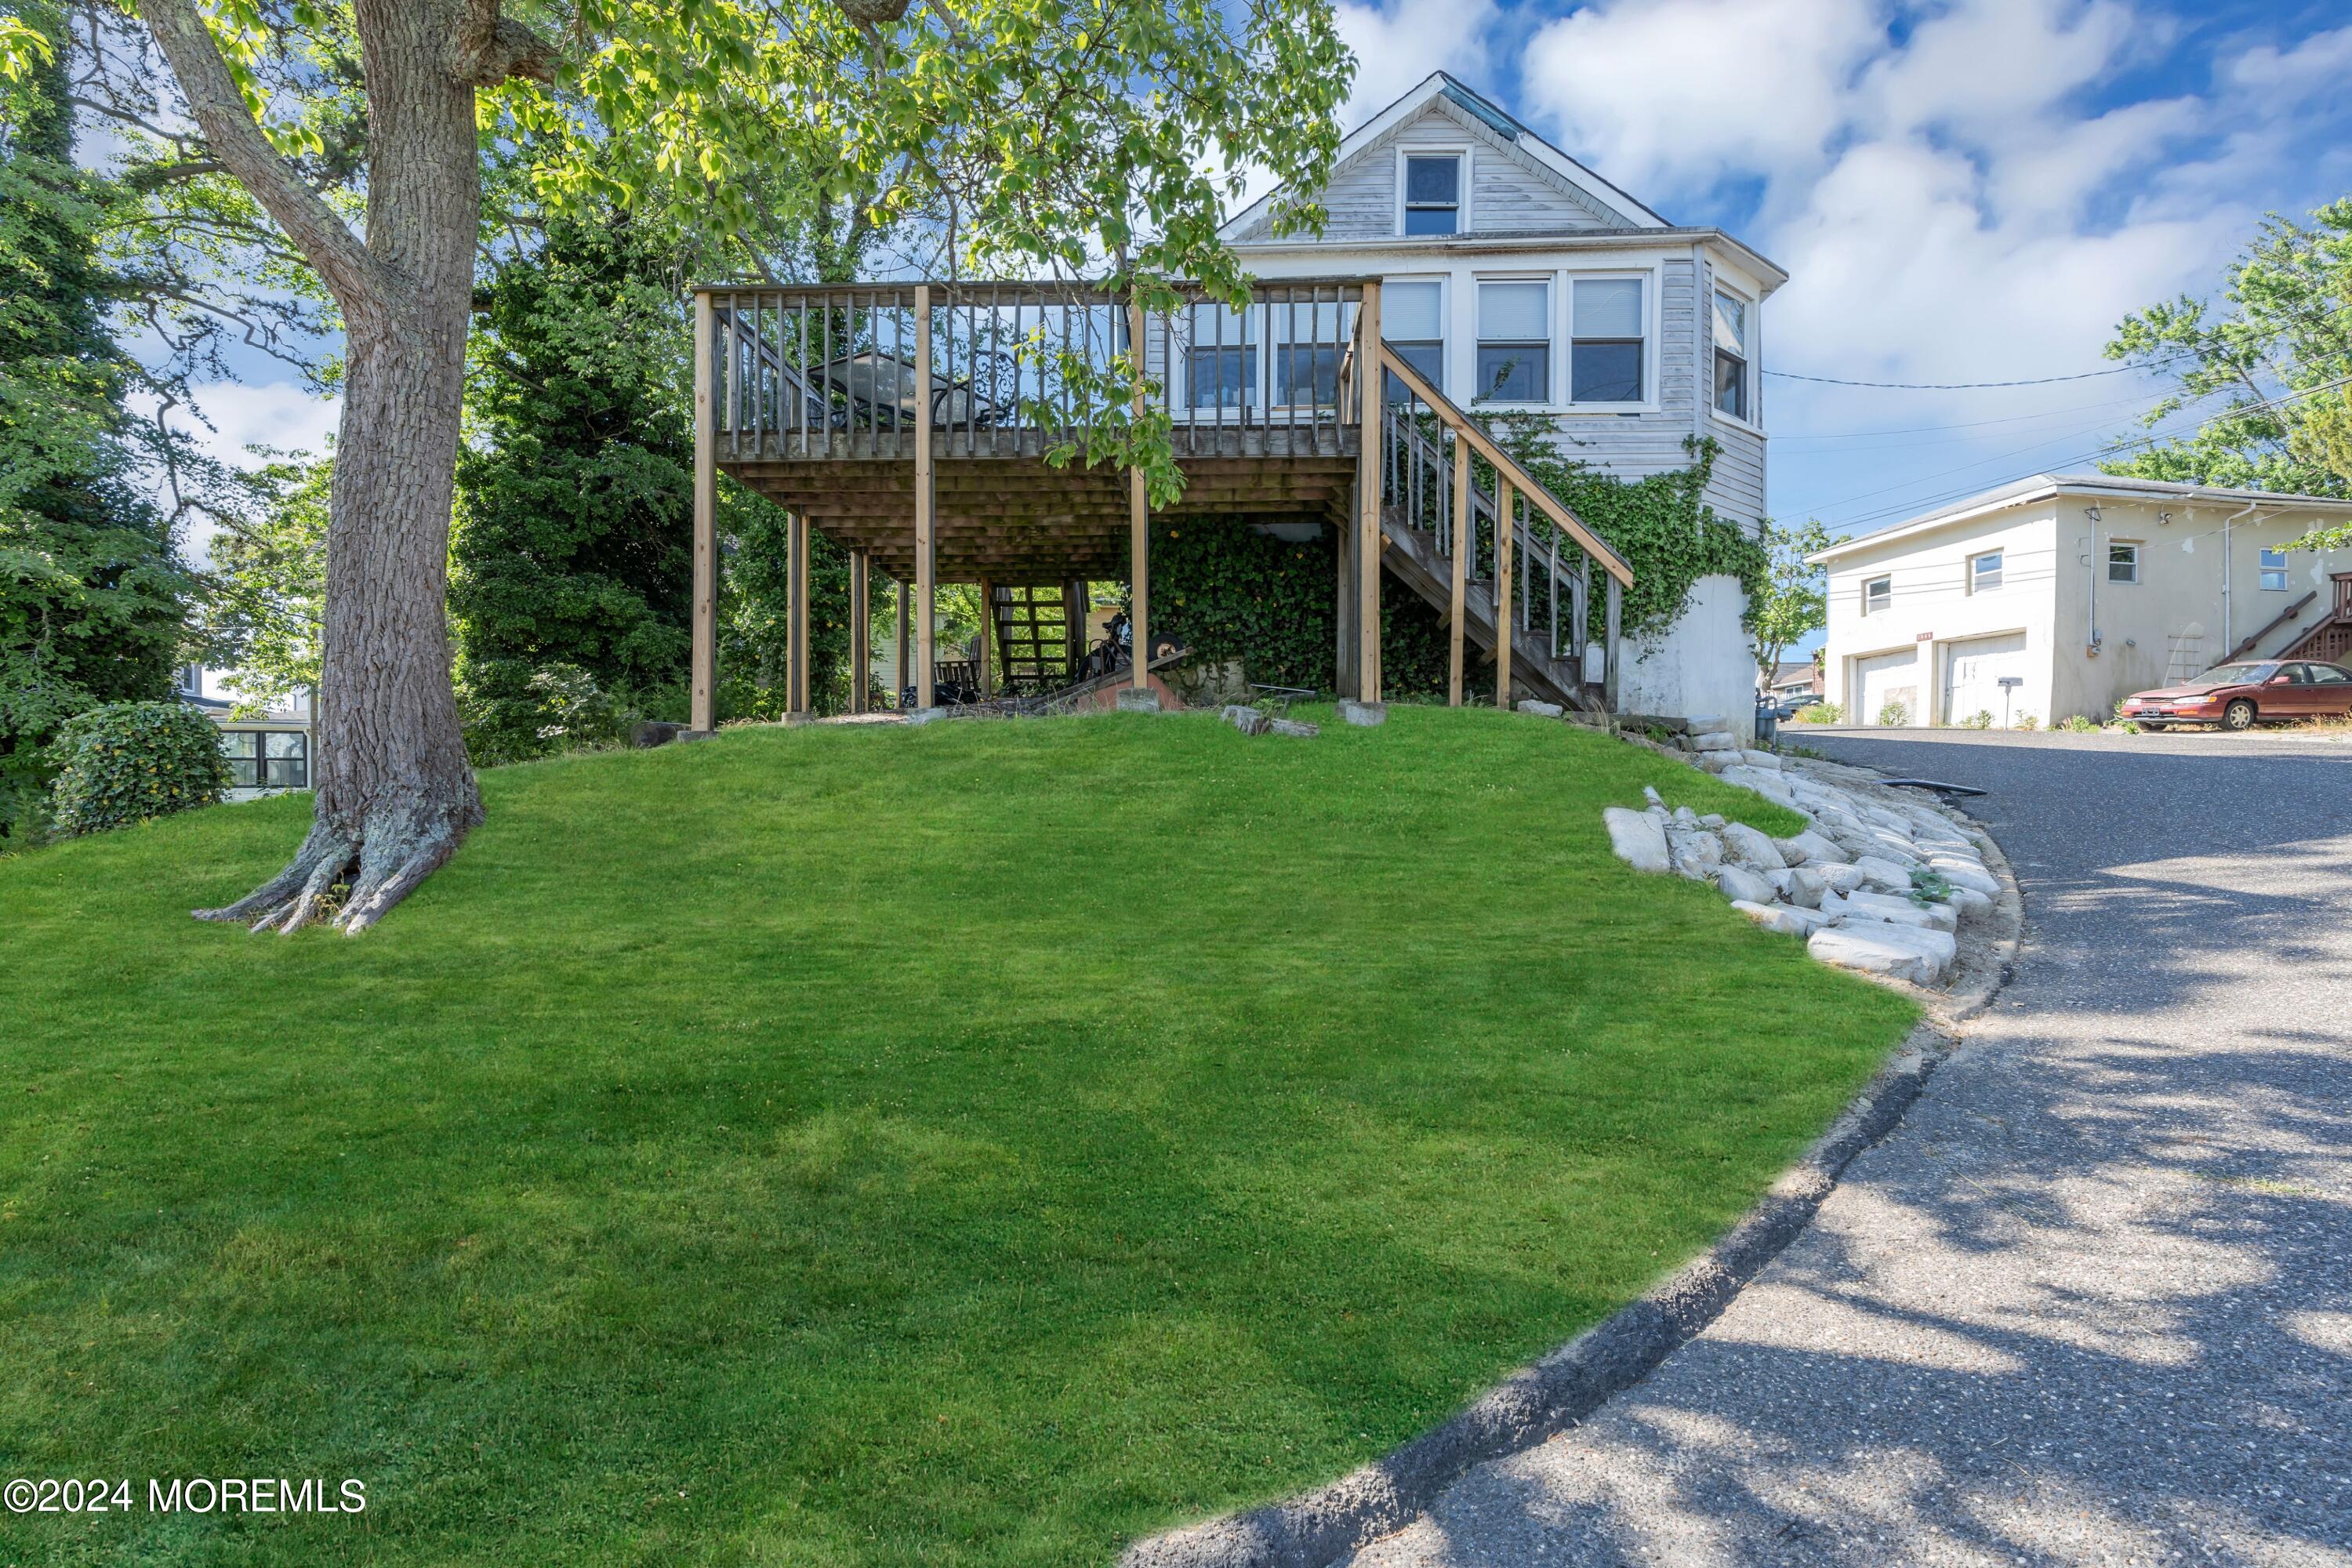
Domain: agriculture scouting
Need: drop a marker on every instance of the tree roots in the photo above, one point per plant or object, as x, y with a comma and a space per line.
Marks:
349, 879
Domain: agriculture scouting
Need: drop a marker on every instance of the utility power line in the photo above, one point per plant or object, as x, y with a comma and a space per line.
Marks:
1976, 385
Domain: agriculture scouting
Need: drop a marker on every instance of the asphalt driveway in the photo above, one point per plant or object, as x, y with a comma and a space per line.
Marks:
2091, 1301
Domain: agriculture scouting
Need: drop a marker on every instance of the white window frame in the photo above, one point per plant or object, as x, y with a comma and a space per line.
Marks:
1976, 584
1565, 398
2267, 569
1754, 373
2133, 546
1555, 321
1461, 155
1868, 583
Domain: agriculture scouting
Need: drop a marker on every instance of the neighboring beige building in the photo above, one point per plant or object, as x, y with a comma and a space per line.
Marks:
2062, 593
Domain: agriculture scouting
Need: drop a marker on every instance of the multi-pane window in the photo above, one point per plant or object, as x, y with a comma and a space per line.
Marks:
1412, 322
1984, 572
1432, 194
1308, 340
1514, 342
1878, 596
1221, 366
2273, 570
1604, 353
267, 759
2123, 563
1731, 355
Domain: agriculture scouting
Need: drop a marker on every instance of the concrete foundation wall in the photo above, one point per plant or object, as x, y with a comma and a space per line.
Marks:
1701, 664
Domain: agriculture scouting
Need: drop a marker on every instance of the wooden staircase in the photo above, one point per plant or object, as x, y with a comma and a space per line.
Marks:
1442, 526
1041, 633
2330, 640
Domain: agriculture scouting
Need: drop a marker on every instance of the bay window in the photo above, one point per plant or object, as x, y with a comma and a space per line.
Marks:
1732, 330
1413, 322
1605, 330
1513, 342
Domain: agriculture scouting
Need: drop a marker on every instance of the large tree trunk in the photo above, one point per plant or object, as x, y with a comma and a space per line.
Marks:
395, 794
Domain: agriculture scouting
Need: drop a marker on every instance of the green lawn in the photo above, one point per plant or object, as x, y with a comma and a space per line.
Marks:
977, 1144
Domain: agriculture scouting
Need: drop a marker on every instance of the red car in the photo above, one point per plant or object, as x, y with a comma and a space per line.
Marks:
2241, 695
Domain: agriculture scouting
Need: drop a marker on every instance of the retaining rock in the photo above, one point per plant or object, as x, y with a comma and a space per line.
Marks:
1637, 838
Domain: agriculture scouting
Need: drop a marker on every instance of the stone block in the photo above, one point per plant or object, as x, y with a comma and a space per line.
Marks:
1806, 886
1839, 875
1297, 727
1810, 847
1764, 760
1738, 883
1779, 917
1885, 875
1906, 911
1246, 719
648, 732
1540, 709
1137, 700
1363, 715
1870, 953
1713, 741
1637, 838
1707, 724
1750, 847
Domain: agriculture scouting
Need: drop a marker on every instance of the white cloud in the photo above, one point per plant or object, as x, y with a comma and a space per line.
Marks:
1397, 45
1670, 95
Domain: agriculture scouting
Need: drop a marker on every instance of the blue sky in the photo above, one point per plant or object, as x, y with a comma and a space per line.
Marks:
1963, 190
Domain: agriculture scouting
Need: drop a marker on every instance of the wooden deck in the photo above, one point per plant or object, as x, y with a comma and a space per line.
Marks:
911, 425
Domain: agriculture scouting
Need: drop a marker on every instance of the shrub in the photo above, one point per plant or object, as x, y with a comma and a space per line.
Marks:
1980, 720
1820, 713
513, 712
127, 761
2028, 721
2080, 724
1894, 713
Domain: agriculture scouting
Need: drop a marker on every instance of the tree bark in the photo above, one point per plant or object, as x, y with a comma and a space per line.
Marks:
395, 794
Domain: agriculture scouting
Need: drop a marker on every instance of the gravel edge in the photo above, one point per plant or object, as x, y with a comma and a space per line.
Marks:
1541, 1401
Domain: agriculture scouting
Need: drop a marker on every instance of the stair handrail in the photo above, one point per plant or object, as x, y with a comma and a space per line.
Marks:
1526, 484
1483, 504
2276, 622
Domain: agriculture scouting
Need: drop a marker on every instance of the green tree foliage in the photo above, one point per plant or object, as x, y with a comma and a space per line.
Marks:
92, 600
128, 761
265, 590
1659, 523
1794, 600
2277, 352
573, 529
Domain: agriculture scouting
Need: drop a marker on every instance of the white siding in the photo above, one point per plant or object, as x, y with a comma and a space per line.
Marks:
1508, 192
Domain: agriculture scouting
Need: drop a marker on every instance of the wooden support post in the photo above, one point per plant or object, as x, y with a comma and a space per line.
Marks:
1139, 532
899, 670
1458, 605
1372, 389
1608, 685
1505, 505
1346, 557
926, 557
984, 666
861, 632
796, 622
702, 710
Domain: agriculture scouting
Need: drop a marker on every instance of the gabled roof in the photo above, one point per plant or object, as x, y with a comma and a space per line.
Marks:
2045, 487
1440, 85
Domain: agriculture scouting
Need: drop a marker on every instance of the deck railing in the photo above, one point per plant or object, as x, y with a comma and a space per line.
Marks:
851, 371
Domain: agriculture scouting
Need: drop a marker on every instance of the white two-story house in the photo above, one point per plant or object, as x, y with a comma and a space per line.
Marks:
1519, 279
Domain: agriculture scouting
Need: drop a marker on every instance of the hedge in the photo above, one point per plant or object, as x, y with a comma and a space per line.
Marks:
128, 761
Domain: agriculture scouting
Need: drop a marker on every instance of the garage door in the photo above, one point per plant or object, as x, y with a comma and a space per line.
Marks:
1888, 678
1972, 674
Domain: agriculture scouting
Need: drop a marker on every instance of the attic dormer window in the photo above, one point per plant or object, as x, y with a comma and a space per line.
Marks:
1432, 194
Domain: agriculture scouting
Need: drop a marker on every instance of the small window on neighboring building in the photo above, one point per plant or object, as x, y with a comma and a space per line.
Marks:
267, 759
1432, 194
1878, 596
1412, 323
1221, 366
1984, 572
1604, 340
2275, 570
2123, 563
1515, 343
1731, 355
